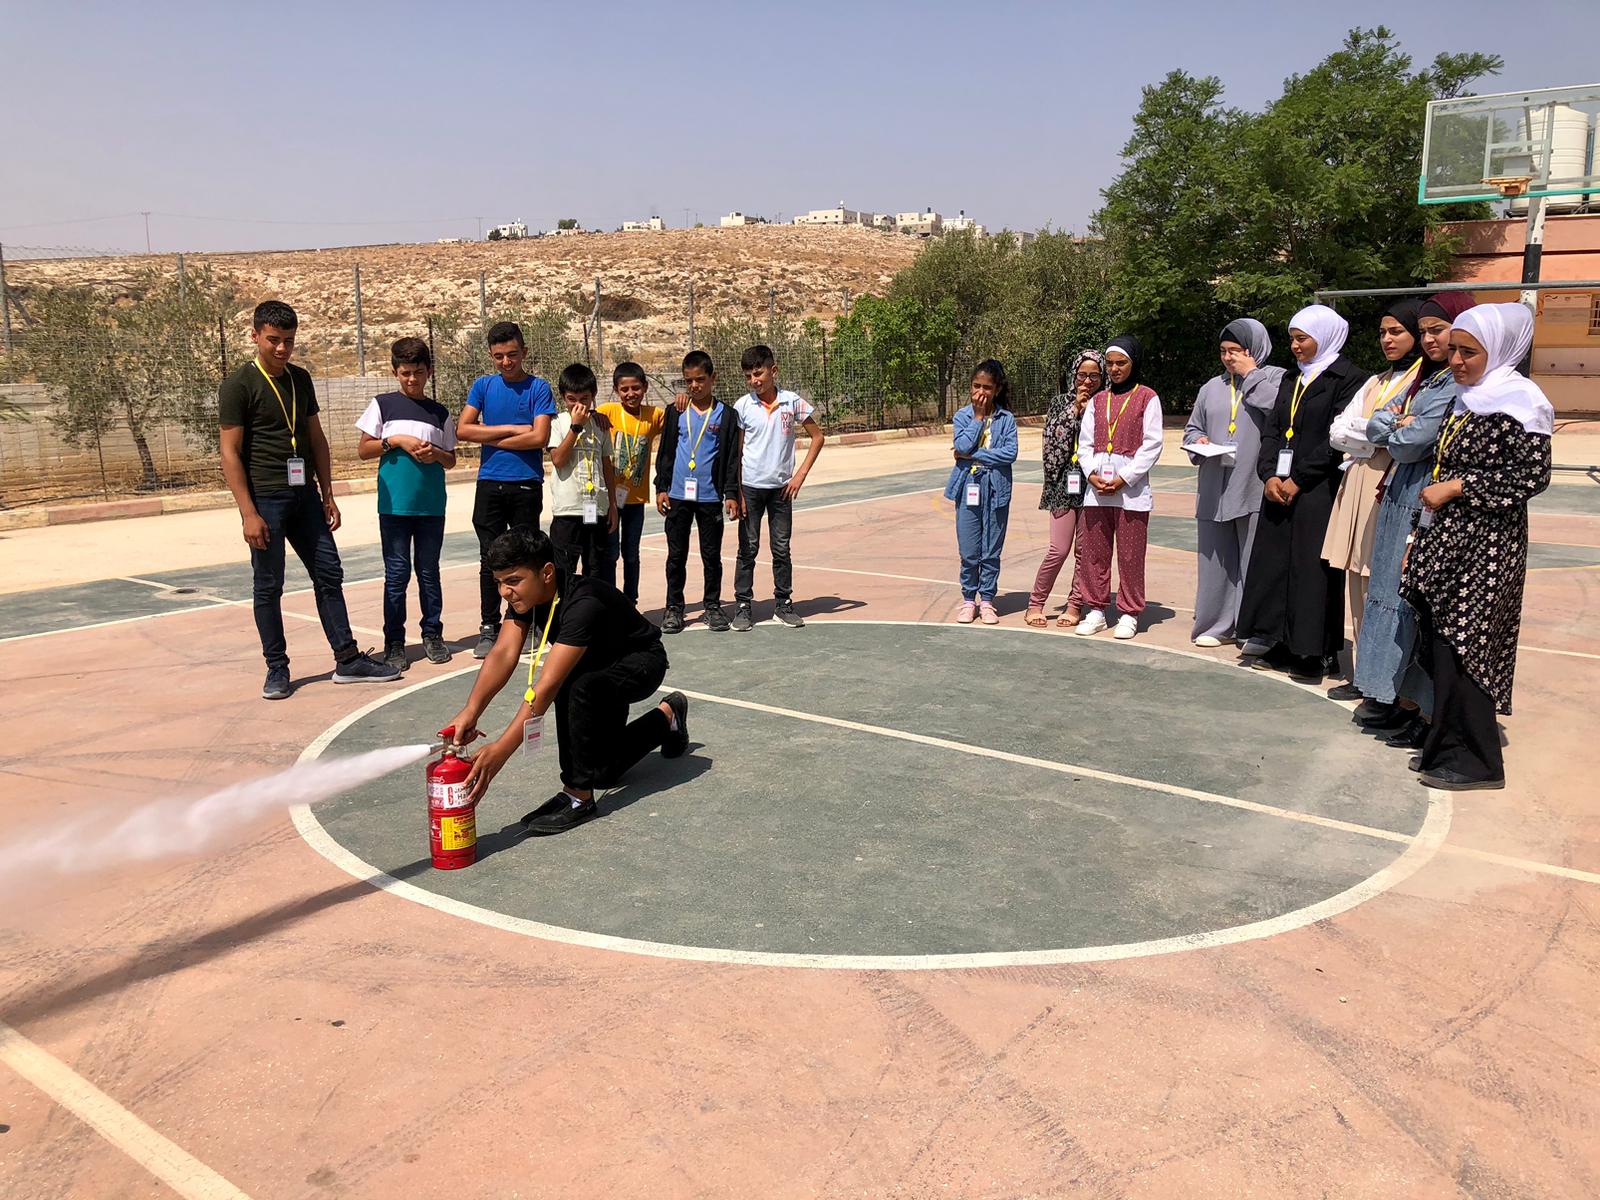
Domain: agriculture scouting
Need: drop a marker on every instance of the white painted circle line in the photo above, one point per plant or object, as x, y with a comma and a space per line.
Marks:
1421, 848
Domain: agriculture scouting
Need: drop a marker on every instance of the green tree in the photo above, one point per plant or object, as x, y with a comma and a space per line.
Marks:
1220, 212
961, 278
567, 223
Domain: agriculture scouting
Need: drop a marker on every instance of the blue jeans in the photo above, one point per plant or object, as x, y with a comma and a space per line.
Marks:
408, 539
295, 518
980, 536
625, 547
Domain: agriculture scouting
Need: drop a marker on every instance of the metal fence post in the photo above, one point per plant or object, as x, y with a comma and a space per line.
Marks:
361, 332
433, 358
183, 282
222, 345
690, 346
599, 337
826, 398
483, 302
5, 302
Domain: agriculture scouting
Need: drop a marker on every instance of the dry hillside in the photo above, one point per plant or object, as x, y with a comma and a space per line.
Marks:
644, 277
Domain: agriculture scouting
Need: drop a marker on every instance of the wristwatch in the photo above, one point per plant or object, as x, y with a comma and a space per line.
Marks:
386, 445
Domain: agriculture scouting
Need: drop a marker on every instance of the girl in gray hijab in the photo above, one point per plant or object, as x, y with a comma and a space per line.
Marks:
1229, 411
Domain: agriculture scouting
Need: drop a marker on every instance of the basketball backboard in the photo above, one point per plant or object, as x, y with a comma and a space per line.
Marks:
1539, 143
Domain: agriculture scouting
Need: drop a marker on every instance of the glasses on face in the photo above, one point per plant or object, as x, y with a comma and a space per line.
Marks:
1087, 376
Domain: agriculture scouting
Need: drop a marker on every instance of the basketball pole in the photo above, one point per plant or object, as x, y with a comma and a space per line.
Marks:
1532, 253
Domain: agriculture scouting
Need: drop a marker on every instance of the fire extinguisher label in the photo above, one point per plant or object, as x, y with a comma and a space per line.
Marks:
447, 795
458, 833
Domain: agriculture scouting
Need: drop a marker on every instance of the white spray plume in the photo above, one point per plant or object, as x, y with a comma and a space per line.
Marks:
179, 828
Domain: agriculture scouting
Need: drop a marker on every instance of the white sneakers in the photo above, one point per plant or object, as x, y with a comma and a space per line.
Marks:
1094, 621
1206, 642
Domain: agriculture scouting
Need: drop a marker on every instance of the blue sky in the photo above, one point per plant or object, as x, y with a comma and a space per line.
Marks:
320, 124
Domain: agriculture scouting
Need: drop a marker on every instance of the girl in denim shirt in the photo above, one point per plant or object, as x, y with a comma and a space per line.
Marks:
985, 446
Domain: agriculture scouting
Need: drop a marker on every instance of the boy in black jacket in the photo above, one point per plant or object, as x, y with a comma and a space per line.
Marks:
695, 468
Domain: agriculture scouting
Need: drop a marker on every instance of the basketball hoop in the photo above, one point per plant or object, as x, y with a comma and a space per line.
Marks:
1509, 186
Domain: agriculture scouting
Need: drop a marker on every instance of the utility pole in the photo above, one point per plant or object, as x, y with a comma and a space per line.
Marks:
686, 218
599, 338
5, 303
480, 229
146, 231
845, 293
361, 333
483, 302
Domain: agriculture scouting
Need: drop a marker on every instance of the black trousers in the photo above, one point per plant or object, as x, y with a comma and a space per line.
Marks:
596, 741
575, 543
497, 506
779, 510
1465, 735
707, 517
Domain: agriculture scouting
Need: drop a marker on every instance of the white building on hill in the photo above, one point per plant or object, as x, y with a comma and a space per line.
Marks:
923, 224
734, 219
965, 223
653, 225
833, 216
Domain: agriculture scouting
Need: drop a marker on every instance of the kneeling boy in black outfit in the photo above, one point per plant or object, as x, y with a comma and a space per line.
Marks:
603, 656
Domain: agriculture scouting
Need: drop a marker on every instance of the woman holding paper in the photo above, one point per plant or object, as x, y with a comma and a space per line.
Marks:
1119, 441
1293, 600
1351, 526
1064, 486
1465, 572
1227, 419
985, 445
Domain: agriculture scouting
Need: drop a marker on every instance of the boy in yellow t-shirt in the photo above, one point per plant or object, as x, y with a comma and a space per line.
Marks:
633, 430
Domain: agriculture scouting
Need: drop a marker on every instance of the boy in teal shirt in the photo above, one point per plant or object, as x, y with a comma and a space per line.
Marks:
415, 440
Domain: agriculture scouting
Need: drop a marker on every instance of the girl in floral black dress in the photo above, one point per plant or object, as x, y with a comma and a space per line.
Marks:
1465, 570
1064, 483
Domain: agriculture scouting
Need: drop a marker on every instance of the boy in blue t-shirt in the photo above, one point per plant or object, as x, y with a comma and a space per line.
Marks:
695, 470
414, 439
509, 416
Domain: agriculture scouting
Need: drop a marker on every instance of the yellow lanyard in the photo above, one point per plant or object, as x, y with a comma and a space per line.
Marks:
544, 640
587, 455
292, 411
1111, 426
1233, 409
694, 450
635, 440
1300, 386
983, 442
1392, 389
1446, 436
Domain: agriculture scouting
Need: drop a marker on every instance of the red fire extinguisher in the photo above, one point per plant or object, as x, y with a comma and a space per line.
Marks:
452, 818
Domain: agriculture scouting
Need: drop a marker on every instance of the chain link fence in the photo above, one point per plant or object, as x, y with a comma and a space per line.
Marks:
110, 391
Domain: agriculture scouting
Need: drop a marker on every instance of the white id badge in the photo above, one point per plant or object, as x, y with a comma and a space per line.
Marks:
591, 511
1285, 463
974, 496
297, 472
1074, 482
533, 735
1424, 518
691, 490
621, 498
1108, 471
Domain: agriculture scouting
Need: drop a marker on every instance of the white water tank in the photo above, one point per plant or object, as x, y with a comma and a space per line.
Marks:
1569, 153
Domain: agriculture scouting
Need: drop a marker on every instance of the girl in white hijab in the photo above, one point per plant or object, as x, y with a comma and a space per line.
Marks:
1465, 570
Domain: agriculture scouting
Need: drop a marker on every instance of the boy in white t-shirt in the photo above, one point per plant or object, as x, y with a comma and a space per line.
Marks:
768, 421
583, 513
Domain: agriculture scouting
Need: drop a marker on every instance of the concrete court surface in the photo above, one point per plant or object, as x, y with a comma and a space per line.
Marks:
926, 911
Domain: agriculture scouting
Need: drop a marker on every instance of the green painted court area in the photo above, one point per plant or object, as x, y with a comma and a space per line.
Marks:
789, 830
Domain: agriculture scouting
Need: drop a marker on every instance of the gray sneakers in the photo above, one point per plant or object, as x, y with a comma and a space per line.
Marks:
394, 655
363, 668
277, 686
435, 649
487, 635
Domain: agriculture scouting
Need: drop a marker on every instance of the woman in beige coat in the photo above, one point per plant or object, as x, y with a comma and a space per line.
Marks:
1348, 544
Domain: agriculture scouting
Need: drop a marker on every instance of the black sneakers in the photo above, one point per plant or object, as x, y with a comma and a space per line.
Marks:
742, 621
673, 621
363, 668
394, 655
435, 649
716, 620
1453, 781
277, 686
789, 617
676, 743
487, 636
559, 814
